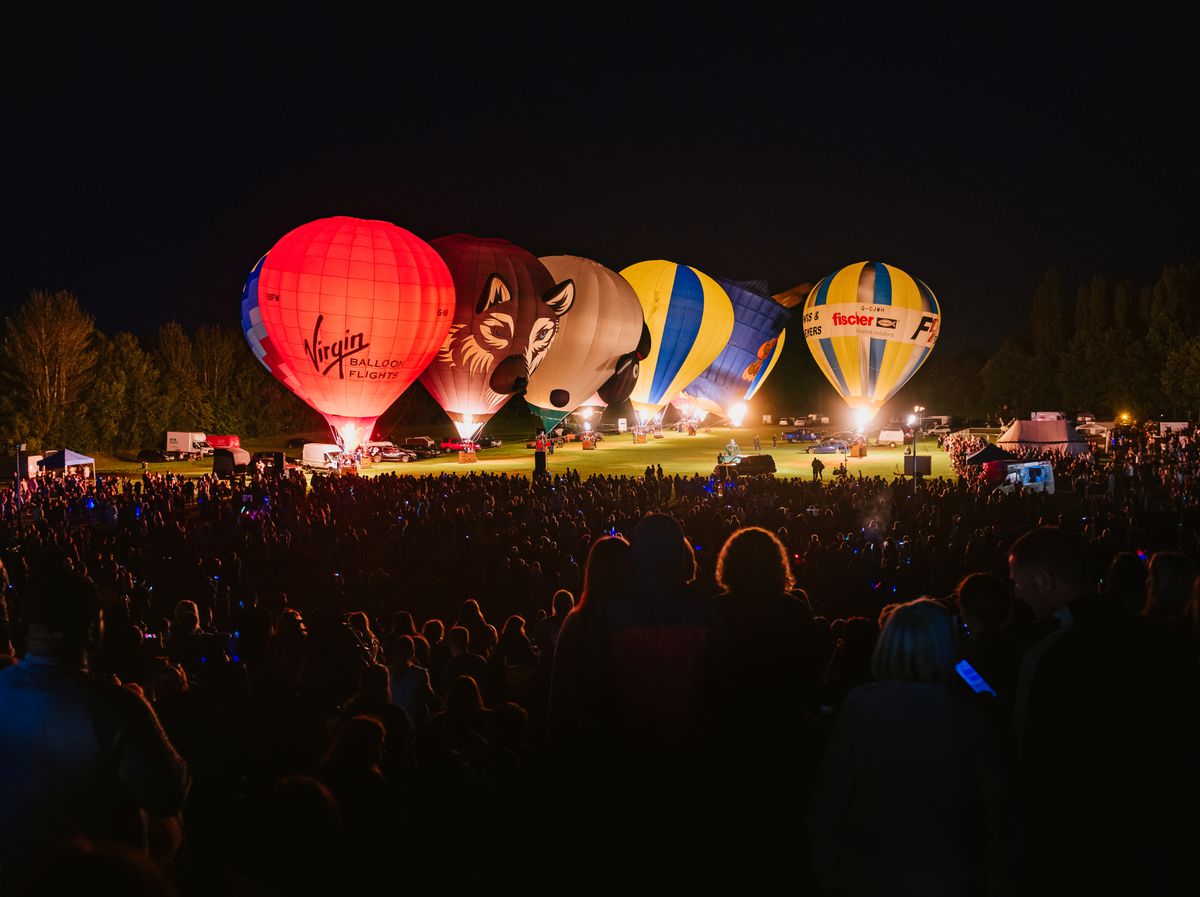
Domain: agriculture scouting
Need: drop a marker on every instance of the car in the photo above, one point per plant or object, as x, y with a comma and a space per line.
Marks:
829, 447
801, 436
152, 456
746, 465
388, 451
785, 421
940, 432
488, 442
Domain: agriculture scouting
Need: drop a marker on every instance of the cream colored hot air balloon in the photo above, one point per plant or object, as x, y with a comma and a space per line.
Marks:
599, 337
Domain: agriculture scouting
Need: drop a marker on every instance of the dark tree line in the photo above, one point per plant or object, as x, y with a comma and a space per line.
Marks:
1111, 348
68, 384
1108, 348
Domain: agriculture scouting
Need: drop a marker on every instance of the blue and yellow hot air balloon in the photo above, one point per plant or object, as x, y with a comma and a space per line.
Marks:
870, 326
690, 319
755, 346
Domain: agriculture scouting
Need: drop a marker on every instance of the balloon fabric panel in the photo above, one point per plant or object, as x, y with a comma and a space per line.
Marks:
347, 312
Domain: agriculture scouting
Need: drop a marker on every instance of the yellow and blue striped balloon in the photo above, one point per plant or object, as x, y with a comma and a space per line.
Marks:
870, 327
690, 319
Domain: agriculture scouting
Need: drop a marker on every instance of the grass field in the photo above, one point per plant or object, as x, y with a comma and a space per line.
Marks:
676, 452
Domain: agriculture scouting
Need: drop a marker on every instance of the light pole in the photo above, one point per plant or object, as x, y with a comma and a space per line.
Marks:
914, 421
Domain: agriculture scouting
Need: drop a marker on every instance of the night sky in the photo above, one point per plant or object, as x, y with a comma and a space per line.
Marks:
152, 161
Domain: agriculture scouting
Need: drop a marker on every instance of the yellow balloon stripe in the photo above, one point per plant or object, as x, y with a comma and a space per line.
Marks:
759, 381
654, 283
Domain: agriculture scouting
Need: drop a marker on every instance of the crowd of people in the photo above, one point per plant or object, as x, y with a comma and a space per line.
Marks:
271, 686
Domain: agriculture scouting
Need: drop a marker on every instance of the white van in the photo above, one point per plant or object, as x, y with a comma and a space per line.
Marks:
320, 455
1033, 476
187, 445
890, 438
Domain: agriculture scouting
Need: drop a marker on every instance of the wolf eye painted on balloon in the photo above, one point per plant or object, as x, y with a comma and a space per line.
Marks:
505, 320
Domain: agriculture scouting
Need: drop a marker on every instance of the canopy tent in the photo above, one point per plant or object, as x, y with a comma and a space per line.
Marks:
988, 453
1043, 436
64, 459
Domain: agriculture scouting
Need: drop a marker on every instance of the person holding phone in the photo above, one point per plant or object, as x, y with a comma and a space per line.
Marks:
911, 796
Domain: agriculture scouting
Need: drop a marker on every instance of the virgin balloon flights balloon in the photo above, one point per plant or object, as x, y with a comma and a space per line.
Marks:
690, 320
870, 327
752, 351
599, 338
346, 313
506, 317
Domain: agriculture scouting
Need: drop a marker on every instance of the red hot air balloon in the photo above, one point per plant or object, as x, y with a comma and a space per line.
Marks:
347, 313
506, 317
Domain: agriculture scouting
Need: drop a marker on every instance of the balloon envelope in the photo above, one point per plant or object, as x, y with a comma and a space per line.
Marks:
605, 324
690, 320
346, 313
754, 347
505, 318
870, 326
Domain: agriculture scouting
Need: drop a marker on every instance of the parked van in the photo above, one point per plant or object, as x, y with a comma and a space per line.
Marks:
320, 455
187, 445
890, 438
1034, 476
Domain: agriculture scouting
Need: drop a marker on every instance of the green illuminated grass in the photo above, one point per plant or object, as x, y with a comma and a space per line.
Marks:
676, 452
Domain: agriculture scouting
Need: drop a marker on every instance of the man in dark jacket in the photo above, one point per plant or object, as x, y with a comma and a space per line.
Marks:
79, 757
1098, 700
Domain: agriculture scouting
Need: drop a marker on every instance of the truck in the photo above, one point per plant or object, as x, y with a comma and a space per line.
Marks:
229, 442
320, 455
187, 445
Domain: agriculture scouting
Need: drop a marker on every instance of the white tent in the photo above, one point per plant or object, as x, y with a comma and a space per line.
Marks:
1043, 436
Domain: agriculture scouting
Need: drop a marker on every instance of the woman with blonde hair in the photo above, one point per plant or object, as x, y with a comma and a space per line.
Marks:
910, 797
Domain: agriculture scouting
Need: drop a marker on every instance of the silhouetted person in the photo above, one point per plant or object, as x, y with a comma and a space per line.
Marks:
911, 796
1098, 697
78, 756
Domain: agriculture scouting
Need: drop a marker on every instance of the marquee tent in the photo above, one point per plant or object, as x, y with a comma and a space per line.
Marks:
64, 459
1043, 436
988, 453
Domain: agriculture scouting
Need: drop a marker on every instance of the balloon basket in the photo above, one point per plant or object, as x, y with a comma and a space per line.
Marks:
639, 438
466, 458
858, 450
691, 431
589, 445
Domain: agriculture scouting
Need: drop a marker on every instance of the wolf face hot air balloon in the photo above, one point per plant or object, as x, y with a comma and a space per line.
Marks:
597, 341
505, 319
870, 327
690, 320
346, 313
738, 372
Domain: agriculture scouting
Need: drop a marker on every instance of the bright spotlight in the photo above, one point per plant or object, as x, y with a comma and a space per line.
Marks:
862, 417
737, 414
912, 420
